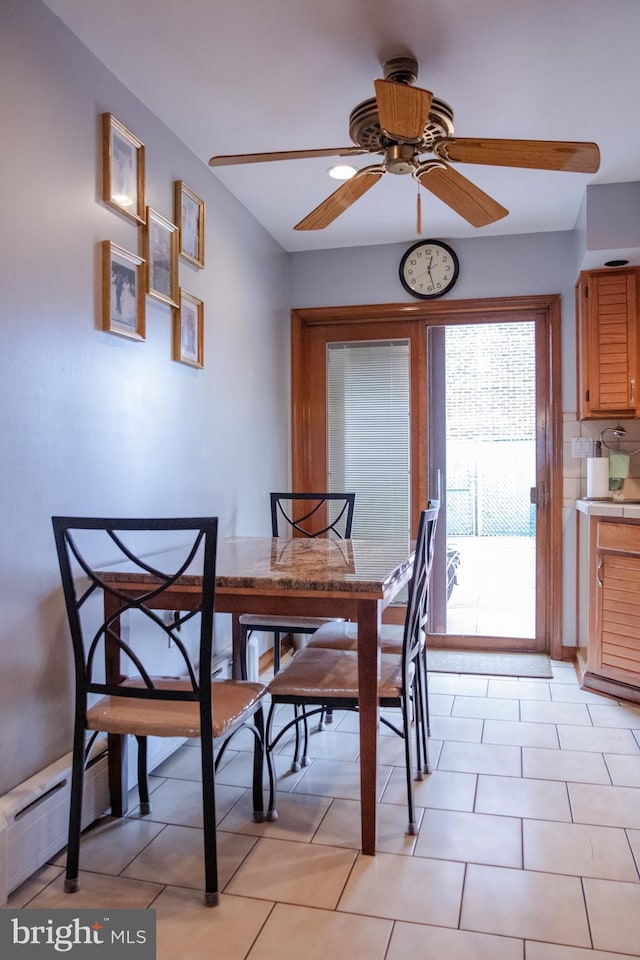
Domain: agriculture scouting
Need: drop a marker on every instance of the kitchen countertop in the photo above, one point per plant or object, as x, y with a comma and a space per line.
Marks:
609, 508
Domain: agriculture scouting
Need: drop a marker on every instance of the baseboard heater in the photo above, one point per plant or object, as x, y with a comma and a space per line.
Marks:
34, 816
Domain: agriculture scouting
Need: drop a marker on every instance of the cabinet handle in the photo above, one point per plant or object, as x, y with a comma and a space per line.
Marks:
632, 399
599, 572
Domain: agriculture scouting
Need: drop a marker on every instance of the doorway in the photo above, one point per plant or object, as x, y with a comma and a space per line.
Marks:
482, 435
438, 458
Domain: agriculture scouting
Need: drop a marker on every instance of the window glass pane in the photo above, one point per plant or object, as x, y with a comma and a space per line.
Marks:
369, 432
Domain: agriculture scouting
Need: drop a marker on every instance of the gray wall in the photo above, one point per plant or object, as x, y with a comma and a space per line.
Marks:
92, 423
489, 267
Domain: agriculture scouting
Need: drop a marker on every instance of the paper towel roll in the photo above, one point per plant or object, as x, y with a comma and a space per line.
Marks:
597, 477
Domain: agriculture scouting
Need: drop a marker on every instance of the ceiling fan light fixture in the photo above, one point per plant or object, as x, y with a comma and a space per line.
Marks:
342, 171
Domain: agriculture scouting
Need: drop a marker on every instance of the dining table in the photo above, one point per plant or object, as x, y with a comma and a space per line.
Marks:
318, 577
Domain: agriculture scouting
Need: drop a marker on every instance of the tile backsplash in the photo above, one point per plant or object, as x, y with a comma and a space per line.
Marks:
575, 469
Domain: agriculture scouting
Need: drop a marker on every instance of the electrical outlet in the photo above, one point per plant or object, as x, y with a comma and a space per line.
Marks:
582, 447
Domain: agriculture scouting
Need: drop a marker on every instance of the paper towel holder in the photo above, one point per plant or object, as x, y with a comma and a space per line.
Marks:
619, 433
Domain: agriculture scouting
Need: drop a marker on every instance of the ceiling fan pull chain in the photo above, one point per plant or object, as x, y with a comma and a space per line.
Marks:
419, 214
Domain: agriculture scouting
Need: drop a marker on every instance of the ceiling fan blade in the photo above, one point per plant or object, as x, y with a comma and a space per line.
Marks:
221, 161
342, 198
403, 110
536, 154
472, 203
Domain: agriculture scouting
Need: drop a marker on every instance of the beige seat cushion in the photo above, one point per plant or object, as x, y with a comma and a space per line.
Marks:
344, 636
317, 673
174, 718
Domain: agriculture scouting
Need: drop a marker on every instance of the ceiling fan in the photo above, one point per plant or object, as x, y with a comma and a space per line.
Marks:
402, 122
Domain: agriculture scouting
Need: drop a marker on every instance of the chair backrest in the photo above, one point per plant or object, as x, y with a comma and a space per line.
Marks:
91, 553
312, 514
415, 623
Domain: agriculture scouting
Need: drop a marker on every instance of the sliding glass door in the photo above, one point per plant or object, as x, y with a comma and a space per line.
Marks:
406, 403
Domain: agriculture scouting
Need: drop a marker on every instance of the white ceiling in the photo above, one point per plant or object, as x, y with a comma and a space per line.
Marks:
243, 76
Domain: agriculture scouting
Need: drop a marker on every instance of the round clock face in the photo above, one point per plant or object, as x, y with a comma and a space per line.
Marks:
429, 269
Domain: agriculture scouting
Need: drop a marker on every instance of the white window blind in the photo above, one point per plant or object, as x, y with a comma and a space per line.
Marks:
369, 432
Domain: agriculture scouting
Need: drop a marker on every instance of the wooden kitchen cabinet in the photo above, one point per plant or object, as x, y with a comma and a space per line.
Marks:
608, 341
613, 650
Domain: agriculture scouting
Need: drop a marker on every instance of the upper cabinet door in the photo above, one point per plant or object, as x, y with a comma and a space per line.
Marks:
607, 314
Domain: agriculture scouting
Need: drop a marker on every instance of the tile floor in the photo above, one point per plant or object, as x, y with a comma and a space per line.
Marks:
528, 849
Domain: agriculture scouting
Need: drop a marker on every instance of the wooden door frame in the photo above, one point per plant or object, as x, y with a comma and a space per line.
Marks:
312, 326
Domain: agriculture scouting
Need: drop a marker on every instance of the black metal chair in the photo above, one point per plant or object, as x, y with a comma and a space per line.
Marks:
345, 637
319, 676
304, 515
116, 687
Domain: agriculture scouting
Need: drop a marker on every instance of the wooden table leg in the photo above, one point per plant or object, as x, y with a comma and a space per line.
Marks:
239, 649
368, 670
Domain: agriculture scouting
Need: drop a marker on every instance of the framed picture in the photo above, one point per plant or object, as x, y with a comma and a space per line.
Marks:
188, 330
123, 169
161, 252
189, 214
122, 292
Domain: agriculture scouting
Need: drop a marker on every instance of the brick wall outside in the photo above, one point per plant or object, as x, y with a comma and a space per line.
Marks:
490, 406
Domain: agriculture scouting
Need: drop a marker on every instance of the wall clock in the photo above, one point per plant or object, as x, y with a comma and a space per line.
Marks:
429, 269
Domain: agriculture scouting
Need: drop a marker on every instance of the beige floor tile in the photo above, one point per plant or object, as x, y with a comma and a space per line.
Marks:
111, 843
98, 890
571, 693
554, 711
614, 915
336, 778
292, 932
607, 806
442, 788
551, 951
582, 850
625, 771
298, 817
564, 672
336, 744
521, 903
471, 837
615, 715
467, 729
187, 930
598, 739
440, 704
481, 758
21, 896
306, 874
458, 685
184, 764
518, 797
490, 708
520, 734
177, 855
341, 827
634, 842
578, 765
417, 940
405, 888
180, 802
519, 689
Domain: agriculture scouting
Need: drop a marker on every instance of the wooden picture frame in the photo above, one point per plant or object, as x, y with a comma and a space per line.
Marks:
123, 169
189, 216
188, 330
123, 287
161, 253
